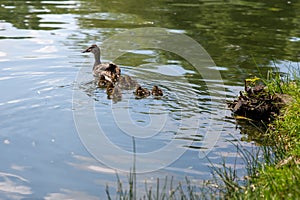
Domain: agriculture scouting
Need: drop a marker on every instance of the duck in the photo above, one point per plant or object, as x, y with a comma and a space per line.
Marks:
141, 92
102, 82
106, 72
156, 91
126, 82
113, 92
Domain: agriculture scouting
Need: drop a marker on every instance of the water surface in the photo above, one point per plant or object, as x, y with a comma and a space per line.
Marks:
42, 156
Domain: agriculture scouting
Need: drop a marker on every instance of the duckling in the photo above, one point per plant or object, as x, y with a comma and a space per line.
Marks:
142, 92
156, 91
110, 89
113, 92
110, 71
102, 82
126, 82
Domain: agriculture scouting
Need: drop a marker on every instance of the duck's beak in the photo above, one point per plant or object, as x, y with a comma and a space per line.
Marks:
87, 50
90, 48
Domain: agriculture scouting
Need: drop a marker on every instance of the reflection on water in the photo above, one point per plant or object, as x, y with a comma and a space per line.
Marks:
42, 155
13, 186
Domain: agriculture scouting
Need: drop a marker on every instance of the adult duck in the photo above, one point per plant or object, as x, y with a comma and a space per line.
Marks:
108, 71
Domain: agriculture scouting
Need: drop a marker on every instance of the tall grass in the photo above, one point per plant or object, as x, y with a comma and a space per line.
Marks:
165, 190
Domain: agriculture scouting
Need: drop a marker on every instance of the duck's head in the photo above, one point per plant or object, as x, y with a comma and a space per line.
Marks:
138, 87
155, 87
93, 49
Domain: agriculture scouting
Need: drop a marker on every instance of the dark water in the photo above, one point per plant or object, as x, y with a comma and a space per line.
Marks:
51, 112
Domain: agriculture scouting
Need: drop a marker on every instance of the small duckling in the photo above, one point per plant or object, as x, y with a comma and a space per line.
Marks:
115, 78
113, 92
126, 82
131, 82
102, 82
142, 92
110, 89
156, 91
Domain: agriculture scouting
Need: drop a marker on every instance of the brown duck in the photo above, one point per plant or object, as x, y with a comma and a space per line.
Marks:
108, 72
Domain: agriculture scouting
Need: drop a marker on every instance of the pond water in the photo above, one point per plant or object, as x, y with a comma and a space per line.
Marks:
61, 137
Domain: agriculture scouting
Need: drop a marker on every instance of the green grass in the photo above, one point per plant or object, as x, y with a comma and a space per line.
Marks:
280, 179
276, 183
278, 176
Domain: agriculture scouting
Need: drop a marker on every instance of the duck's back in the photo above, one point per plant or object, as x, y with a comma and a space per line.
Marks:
106, 67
